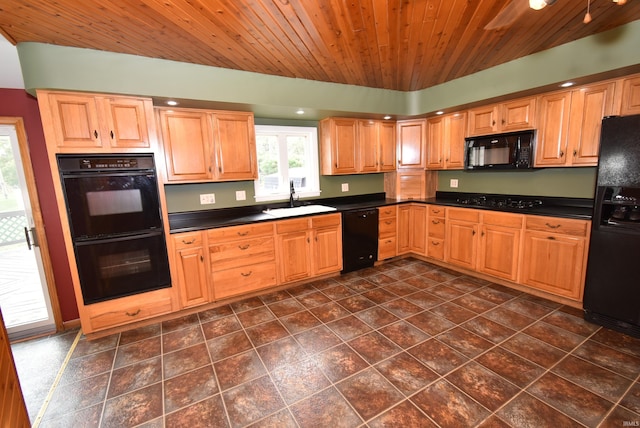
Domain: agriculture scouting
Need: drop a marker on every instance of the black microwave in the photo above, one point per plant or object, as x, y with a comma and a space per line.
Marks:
513, 150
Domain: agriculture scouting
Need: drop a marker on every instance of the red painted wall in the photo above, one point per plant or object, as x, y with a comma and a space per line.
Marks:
18, 103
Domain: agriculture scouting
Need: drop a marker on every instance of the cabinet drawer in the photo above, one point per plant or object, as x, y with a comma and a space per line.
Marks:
387, 227
503, 219
463, 214
187, 240
326, 220
129, 309
436, 227
387, 248
232, 282
563, 226
387, 212
293, 225
436, 211
435, 248
239, 232
239, 253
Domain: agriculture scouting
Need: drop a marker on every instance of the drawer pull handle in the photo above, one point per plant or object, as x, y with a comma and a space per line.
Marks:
244, 247
435, 243
388, 222
189, 242
552, 226
435, 211
243, 233
435, 221
246, 274
134, 313
551, 238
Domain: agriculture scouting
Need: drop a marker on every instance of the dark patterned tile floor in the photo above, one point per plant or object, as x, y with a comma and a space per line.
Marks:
405, 344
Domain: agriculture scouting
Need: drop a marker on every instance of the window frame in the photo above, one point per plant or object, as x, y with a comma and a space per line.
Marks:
313, 182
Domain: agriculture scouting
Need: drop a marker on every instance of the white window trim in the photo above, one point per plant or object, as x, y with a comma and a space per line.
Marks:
312, 132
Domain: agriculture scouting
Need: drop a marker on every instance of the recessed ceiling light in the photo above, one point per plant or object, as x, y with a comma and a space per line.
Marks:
440, 112
567, 84
387, 117
172, 103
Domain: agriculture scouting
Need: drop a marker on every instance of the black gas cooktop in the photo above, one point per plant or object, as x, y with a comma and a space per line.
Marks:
500, 202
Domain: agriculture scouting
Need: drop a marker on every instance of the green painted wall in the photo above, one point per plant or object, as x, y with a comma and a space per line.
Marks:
186, 197
565, 182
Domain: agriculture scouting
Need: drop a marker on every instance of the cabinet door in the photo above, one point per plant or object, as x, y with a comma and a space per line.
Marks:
187, 144
235, 146
327, 250
435, 142
553, 263
462, 243
295, 258
387, 148
499, 251
517, 115
589, 105
412, 143
404, 232
191, 269
368, 139
456, 128
128, 121
483, 120
75, 120
553, 129
630, 96
418, 231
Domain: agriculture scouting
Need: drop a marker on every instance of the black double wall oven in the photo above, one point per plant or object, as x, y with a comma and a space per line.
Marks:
113, 207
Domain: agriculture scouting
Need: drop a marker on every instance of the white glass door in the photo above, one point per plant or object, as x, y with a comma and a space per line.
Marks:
24, 295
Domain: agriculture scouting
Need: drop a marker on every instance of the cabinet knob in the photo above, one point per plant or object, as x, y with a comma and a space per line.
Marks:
201, 258
575, 153
111, 133
95, 133
561, 153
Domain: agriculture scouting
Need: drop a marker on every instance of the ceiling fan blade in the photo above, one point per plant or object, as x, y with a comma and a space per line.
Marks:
508, 15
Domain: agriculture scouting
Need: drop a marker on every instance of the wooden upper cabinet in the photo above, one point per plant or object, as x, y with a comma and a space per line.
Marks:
355, 146
630, 96
589, 104
445, 141
569, 132
509, 116
96, 123
202, 145
187, 144
368, 146
234, 140
411, 142
387, 146
553, 131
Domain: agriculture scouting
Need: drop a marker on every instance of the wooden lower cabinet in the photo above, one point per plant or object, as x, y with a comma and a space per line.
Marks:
387, 232
555, 255
191, 266
242, 259
462, 237
436, 231
499, 246
309, 246
412, 229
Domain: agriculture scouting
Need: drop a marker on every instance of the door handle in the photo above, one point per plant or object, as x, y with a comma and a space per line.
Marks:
31, 242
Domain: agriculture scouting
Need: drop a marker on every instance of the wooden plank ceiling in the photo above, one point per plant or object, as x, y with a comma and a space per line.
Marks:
393, 44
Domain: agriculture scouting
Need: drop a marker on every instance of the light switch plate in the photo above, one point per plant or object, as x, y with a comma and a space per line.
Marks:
241, 195
207, 198
345, 187
453, 183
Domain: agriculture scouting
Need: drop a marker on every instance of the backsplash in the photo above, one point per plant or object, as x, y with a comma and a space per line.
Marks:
186, 197
562, 182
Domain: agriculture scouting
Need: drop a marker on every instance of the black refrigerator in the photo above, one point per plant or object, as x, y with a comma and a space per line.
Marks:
612, 288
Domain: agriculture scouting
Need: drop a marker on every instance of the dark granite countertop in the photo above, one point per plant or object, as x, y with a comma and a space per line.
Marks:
208, 219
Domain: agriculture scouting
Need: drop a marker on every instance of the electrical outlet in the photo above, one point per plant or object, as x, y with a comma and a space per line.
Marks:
453, 183
207, 198
241, 195
345, 187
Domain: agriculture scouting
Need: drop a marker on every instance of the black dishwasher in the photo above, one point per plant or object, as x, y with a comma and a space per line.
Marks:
359, 239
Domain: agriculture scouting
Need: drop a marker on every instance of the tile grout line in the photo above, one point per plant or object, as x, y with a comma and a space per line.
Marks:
52, 390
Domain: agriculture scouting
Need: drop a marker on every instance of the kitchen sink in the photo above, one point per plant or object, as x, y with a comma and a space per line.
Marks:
301, 210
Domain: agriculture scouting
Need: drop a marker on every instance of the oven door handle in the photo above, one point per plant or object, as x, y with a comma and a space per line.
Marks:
119, 238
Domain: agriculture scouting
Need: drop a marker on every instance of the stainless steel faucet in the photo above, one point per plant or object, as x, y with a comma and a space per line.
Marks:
292, 191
